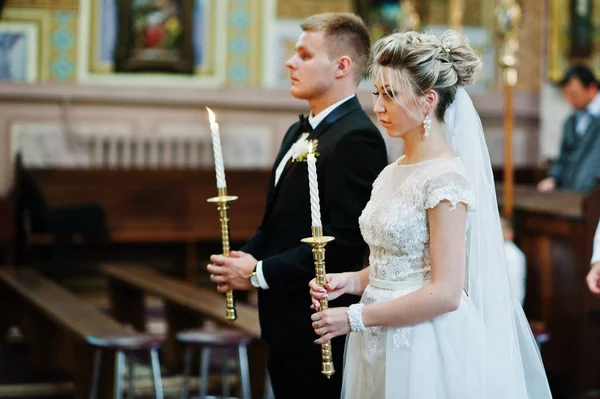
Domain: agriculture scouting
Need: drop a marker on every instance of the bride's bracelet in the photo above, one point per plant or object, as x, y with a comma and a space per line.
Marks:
355, 318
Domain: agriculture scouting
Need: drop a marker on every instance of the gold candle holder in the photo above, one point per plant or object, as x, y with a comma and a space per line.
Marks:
318, 242
222, 202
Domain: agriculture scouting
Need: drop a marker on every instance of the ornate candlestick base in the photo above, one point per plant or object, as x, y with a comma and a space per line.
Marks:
222, 202
318, 242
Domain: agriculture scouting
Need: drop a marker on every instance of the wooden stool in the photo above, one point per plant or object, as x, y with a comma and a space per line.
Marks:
123, 345
208, 340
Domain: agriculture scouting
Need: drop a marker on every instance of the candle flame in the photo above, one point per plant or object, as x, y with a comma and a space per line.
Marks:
211, 116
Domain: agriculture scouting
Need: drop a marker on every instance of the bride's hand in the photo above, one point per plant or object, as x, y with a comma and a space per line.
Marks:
334, 287
330, 323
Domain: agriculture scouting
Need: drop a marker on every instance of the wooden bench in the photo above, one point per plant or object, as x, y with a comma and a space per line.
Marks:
155, 206
7, 230
59, 328
530, 175
556, 232
186, 306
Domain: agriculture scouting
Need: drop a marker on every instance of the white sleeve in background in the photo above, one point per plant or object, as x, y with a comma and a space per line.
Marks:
596, 251
516, 266
261, 276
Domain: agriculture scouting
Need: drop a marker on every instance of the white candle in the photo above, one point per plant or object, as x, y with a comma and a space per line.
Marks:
217, 150
313, 185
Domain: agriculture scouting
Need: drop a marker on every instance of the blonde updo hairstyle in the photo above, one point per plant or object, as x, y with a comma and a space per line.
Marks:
423, 62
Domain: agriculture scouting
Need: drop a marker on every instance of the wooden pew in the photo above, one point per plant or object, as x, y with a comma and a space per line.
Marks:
157, 206
524, 175
58, 326
7, 230
186, 306
556, 231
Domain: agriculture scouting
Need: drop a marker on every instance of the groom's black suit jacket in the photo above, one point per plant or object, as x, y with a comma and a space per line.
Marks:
352, 153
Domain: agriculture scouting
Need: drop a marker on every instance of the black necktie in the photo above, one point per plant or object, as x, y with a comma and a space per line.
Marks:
305, 126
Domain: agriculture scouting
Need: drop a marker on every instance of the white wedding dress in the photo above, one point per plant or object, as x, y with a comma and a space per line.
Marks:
443, 358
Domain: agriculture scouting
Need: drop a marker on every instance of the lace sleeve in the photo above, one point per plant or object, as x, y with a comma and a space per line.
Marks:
452, 187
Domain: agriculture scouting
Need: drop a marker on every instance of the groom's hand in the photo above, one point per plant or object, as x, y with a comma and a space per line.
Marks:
231, 273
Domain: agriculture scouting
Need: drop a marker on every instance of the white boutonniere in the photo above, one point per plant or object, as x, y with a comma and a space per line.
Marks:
301, 147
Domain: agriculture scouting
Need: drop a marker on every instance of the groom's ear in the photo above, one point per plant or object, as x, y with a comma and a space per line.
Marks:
344, 65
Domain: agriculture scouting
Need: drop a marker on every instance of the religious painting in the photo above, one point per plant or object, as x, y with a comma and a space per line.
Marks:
18, 52
103, 30
574, 36
155, 36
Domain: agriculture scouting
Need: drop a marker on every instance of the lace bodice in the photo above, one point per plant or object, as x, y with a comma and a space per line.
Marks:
395, 226
394, 223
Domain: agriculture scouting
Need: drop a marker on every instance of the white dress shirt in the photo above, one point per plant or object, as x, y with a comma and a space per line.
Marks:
583, 118
516, 268
596, 251
314, 122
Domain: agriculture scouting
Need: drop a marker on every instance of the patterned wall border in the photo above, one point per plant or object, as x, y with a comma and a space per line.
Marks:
215, 78
64, 46
238, 45
43, 20
245, 45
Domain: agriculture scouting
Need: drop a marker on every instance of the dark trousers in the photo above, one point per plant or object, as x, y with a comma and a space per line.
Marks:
295, 371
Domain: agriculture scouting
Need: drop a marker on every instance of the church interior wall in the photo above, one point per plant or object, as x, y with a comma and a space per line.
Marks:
71, 86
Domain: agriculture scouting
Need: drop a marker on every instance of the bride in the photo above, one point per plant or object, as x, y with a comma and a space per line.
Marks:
436, 319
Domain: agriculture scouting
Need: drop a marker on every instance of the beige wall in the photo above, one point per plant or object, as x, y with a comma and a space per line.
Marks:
153, 110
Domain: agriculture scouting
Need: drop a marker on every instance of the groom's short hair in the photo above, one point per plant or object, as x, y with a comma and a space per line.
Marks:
346, 34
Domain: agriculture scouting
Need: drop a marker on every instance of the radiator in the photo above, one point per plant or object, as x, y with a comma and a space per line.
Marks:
114, 146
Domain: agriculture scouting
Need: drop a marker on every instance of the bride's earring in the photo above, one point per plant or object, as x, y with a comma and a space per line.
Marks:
427, 125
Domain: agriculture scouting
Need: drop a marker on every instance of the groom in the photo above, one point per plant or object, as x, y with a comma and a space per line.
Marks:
330, 60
